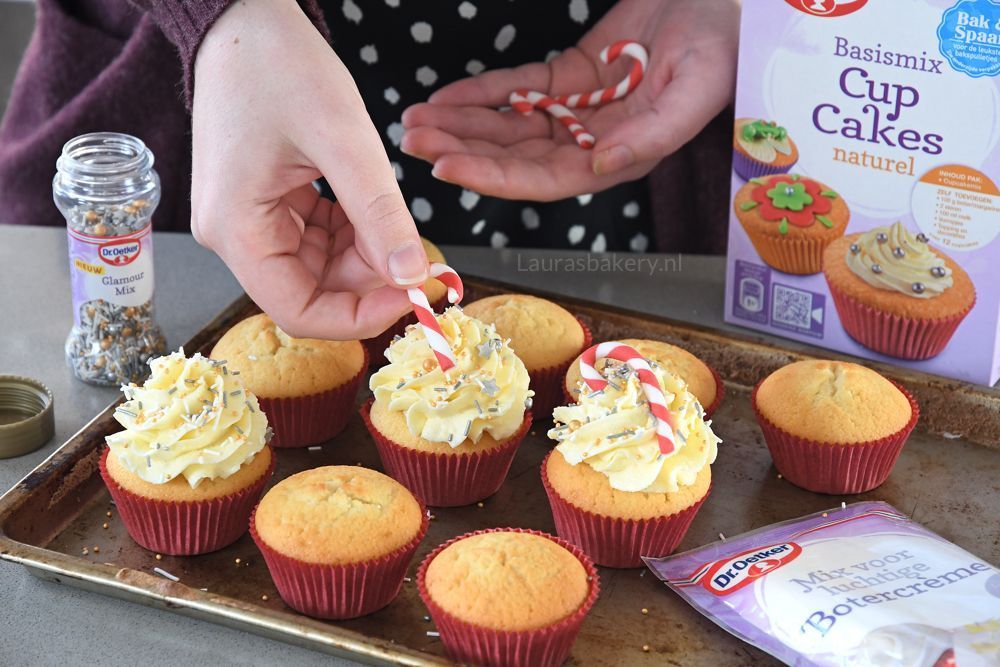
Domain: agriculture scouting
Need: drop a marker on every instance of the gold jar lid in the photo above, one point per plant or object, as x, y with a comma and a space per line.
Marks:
26, 416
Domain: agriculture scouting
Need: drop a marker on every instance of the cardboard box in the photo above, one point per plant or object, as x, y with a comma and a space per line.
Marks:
866, 207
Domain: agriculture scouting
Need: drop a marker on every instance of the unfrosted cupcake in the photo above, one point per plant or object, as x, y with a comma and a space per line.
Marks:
545, 336
895, 294
449, 437
193, 458
306, 386
790, 220
762, 148
337, 540
701, 379
437, 296
508, 596
611, 490
833, 426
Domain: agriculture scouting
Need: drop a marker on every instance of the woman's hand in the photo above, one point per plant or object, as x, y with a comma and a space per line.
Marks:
692, 69
275, 109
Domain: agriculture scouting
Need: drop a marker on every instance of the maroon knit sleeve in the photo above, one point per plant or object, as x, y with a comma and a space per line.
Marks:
185, 23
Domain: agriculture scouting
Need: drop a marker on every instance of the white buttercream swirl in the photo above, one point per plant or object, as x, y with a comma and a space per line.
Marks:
914, 269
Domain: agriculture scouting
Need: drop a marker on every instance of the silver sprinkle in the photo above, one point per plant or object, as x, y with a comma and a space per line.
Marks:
789, 191
922, 237
127, 412
479, 408
440, 388
249, 406
938, 272
236, 372
599, 392
189, 381
239, 430
165, 574
486, 349
918, 288
528, 402
882, 237
235, 393
855, 248
494, 409
468, 427
898, 253
401, 383
171, 390
876, 268
490, 387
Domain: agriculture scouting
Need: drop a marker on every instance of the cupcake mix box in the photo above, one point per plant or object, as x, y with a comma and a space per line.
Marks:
866, 180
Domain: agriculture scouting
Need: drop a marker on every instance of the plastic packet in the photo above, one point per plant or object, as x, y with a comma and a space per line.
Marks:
861, 585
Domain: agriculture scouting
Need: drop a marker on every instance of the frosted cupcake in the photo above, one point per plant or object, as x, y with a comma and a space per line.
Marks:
611, 490
895, 294
449, 437
193, 458
762, 148
437, 296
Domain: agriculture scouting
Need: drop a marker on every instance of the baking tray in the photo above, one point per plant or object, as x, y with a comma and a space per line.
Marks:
949, 483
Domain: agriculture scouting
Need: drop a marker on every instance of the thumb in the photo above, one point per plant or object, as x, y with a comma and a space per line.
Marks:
356, 165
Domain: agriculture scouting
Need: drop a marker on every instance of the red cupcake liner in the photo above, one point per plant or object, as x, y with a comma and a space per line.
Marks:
613, 542
376, 346
339, 592
185, 528
894, 335
447, 480
834, 468
748, 168
720, 392
303, 421
545, 647
549, 383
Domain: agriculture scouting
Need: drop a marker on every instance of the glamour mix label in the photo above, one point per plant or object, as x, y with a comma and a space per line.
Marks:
118, 270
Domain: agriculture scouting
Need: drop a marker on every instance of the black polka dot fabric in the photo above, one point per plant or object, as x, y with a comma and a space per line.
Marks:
400, 51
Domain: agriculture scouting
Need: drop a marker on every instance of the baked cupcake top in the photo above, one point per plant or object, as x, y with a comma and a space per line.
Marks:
275, 365
614, 432
191, 418
695, 373
764, 141
507, 580
541, 332
891, 258
792, 205
433, 288
338, 514
486, 391
833, 402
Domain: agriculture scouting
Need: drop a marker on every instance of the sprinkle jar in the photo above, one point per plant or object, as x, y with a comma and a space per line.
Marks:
107, 189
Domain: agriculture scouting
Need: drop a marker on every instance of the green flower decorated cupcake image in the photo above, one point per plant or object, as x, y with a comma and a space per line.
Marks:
790, 220
762, 148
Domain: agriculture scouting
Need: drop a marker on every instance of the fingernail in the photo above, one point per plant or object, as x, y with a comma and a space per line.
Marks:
437, 175
407, 264
613, 159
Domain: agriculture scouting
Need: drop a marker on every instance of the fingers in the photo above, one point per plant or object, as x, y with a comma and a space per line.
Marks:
700, 90
471, 122
493, 88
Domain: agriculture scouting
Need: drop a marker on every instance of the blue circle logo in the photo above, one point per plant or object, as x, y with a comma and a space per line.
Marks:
969, 37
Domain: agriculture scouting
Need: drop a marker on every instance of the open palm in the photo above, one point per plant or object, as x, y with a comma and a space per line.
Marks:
692, 47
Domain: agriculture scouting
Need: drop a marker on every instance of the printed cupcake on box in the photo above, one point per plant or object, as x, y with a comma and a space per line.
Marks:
865, 201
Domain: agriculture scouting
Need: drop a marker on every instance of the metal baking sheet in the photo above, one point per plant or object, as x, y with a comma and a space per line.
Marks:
53, 521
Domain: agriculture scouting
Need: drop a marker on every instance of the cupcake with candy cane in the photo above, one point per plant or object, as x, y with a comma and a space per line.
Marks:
450, 433
895, 294
632, 466
762, 148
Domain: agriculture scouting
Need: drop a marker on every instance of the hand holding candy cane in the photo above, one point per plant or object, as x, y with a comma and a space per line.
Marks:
650, 385
425, 315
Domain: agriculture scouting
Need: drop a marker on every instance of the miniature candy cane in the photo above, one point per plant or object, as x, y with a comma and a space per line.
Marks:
422, 309
650, 385
526, 101
610, 54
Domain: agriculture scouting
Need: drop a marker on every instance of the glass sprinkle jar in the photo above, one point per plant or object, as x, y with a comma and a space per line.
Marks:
107, 189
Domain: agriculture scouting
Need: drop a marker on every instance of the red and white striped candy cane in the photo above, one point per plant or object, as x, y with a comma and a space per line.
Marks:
428, 322
650, 385
526, 101
610, 54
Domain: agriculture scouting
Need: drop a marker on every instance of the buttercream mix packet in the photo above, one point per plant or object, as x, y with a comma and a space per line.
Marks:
862, 585
865, 202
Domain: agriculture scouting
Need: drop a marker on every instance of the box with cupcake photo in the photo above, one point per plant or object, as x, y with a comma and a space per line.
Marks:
866, 180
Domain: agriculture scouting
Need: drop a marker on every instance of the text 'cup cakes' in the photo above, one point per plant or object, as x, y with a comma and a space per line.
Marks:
762, 148
306, 386
700, 378
790, 220
895, 294
193, 458
508, 596
623, 482
450, 437
338, 539
545, 336
833, 426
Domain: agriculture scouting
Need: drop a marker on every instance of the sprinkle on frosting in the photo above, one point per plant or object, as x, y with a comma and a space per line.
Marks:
891, 258
164, 439
485, 392
614, 432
